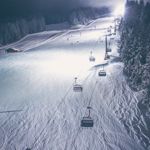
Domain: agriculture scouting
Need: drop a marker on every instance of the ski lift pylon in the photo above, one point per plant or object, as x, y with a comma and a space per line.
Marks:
106, 56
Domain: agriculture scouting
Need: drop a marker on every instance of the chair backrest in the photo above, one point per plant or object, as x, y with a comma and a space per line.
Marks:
77, 88
87, 122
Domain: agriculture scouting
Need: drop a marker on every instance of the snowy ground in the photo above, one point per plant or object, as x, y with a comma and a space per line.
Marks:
38, 107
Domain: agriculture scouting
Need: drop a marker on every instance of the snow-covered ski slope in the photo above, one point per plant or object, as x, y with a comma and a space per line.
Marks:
38, 108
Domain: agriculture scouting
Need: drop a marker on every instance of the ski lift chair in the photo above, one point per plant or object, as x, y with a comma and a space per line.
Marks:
114, 33
91, 58
77, 87
108, 50
102, 73
87, 121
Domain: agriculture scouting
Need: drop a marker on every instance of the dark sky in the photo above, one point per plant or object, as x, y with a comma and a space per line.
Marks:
69, 4
19, 7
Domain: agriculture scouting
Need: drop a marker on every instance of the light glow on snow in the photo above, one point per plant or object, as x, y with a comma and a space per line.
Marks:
119, 10
63, 65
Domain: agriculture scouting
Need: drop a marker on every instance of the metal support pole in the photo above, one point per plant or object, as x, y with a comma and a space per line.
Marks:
106, 42
75, 80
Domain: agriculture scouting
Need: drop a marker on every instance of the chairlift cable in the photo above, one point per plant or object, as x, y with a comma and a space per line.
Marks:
92, 93
53, 115
73, 144
74, 141
51, 118
79, 129
94, 74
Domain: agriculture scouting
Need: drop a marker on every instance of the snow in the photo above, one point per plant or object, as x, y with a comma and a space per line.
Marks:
38, 107
31, 40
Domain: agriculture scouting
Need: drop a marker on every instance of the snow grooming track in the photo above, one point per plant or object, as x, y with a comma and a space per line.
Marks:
2, 137
2, 131
74, 140
54, 121
56, 109
14, 131
51, 118
8, 118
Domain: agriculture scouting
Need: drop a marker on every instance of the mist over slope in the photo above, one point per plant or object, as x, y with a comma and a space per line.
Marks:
14, 28
83, 15
77, 16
